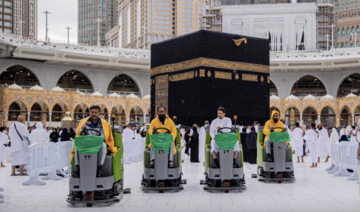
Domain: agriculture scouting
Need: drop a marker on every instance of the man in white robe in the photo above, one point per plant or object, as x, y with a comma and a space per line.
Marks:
241, 126
324, 145
39, 135
202, 141
298, 142
217, 124
4, 140
256, 126
18, 149
312, 141
128, 142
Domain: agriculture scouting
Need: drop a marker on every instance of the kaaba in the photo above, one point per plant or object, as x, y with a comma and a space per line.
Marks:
194, 74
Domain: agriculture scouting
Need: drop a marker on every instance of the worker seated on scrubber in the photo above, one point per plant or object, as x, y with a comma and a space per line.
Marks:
269, 127
163, 121
217, 124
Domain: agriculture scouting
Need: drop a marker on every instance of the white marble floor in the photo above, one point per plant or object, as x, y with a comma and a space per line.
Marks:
313, 190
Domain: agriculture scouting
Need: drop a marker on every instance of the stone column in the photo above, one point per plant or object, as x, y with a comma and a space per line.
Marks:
119, 120
6, 118
337, 120
28, 119
43, 119
301, 120
50, 113
109, 117
144, 117
352, 119
127, 119
319, 119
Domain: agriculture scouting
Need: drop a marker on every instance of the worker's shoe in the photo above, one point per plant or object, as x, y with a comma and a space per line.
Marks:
171, 165
75, 174
99, 172
268, 158
214, 166
235, 164
151, 165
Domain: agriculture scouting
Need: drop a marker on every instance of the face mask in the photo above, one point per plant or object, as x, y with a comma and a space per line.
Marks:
320, 128
275, 120
161, 116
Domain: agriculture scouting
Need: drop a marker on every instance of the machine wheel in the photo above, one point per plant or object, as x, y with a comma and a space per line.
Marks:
89, 196
227, 185
161, 185
279, 175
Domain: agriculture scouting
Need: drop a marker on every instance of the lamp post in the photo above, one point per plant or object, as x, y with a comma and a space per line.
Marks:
68, 34
46, 29
327, 42
332, 36
98, 21
144, 27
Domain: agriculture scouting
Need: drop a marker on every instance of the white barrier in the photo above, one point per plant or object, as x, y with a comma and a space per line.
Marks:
1, 196
334, 156
347, 152
47, 157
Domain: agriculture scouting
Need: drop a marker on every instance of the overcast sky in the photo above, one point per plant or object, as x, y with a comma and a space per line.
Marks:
63, 14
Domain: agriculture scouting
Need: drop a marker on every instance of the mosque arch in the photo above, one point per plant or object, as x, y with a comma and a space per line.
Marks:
345, 116
58, 112
356, 114
123, 84
39, 112
309, 115
136, 114
287, 115
15, 109
76, 80
349, 83
81, 111
328, 116
309, 84
20, 75
273, 89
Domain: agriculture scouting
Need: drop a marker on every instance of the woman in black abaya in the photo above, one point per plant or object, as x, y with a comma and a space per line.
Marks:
194, 145
251, 142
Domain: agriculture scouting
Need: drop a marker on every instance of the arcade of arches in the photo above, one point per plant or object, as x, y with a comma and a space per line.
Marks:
332, 112
49, 107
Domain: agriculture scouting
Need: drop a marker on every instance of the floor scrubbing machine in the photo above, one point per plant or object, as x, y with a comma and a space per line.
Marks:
226, 177
281, 167
89, 187
161, 177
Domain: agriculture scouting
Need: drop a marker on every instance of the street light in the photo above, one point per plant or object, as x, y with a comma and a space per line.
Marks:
98, 21
68, 34
46, 29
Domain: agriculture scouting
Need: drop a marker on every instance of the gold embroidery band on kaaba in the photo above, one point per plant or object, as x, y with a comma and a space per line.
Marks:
223, 75
183, 76
211, 63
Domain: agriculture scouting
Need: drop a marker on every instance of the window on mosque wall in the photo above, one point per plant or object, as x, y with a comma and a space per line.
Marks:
347, 31
343, 32
338, 33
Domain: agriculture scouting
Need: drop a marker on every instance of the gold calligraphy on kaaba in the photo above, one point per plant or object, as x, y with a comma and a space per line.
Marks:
182, 76
223, 75
209, 63
268, 79
238, 42
249, 77
161, 91
202, 73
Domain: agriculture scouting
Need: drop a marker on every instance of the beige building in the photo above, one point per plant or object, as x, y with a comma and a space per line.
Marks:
347, 23
150, 21
88, 13
19, 17
112, 37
